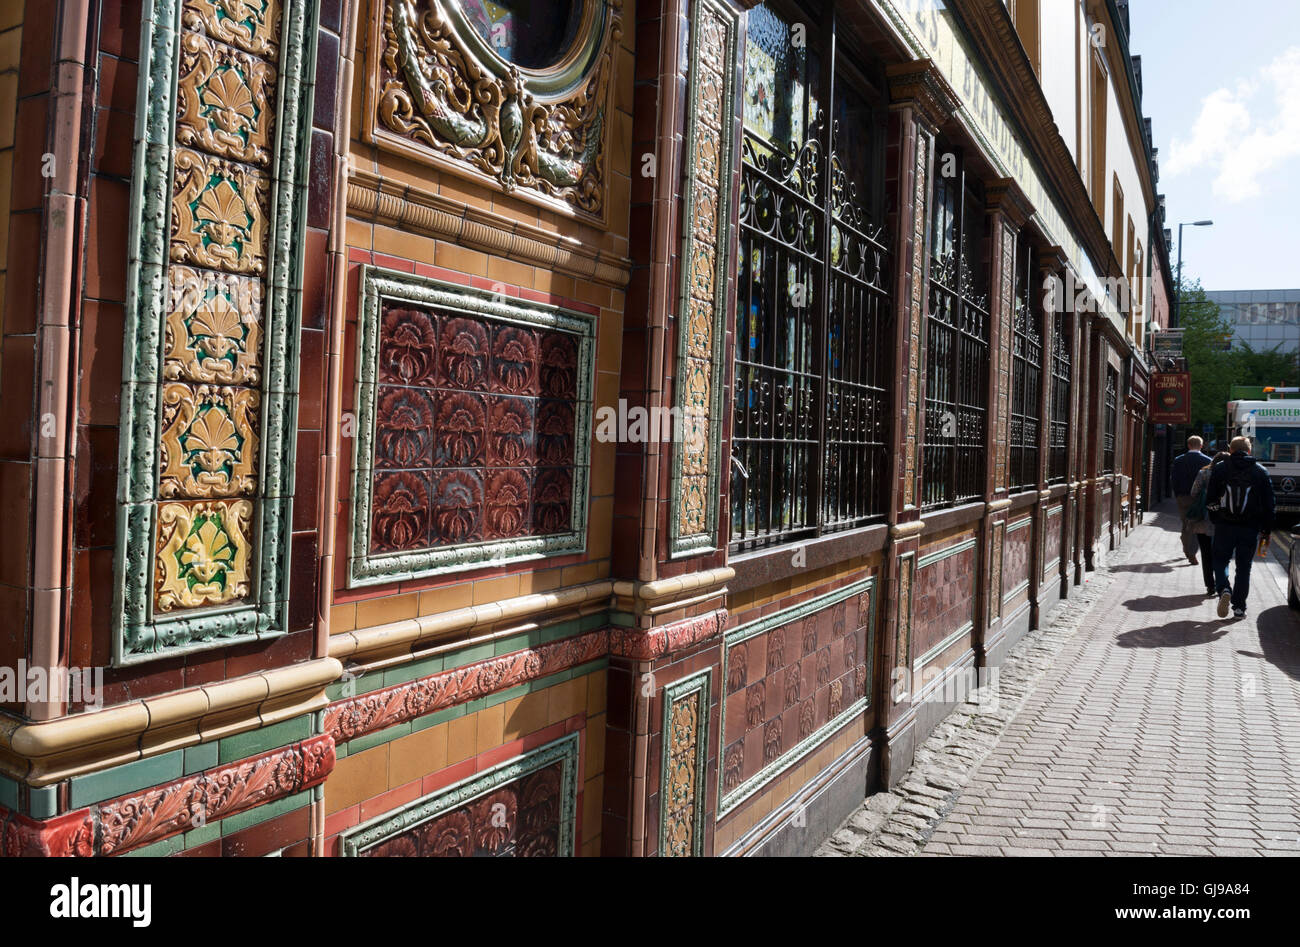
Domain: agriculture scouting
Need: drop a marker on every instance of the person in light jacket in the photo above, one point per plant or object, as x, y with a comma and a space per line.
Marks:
1202, 528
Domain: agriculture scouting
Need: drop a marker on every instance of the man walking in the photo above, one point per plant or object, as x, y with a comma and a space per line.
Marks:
1182, 473
1240, 499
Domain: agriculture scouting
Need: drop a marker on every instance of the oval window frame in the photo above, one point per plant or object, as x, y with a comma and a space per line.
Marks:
572, 68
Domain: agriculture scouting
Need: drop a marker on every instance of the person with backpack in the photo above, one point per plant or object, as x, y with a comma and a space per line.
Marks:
1181, 474
1239, 497
1198, 524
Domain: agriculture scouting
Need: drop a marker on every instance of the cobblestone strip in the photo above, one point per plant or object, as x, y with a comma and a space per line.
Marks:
901, 820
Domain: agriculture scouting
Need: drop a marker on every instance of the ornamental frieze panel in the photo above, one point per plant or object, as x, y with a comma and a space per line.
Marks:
218, 214
702, 302
525, 807
212, 320
474, 417
521, 97
685, 738
224, 100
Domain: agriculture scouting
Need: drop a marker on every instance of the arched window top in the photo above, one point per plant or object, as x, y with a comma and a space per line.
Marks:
532, 34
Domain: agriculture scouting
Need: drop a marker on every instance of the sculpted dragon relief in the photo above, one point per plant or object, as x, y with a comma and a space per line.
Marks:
434, 91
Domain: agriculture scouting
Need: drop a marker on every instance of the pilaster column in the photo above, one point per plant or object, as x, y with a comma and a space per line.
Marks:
921, 102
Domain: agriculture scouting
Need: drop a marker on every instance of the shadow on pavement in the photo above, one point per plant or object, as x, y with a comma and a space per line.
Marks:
1279, 637
1180, 634
1164, 603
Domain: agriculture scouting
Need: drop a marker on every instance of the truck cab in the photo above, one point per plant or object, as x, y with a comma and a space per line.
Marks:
1273, 426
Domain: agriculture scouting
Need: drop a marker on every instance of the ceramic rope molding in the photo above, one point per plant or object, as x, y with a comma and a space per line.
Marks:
213, 311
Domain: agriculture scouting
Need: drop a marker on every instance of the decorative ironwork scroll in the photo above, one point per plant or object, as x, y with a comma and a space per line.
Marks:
213, 312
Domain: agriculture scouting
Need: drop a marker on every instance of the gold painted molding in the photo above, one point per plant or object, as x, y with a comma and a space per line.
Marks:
380, 641
904, 530
51, 751
676, 585
420, 211
996, 506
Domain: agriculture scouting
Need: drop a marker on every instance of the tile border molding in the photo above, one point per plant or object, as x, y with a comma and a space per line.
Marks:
353, 842
41, 754
370, 197
137, 819
141, 631
379, 286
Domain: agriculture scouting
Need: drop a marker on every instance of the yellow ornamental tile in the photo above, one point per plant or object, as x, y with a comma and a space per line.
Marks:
693, 490
203, 554
695, 442
218, 214
699, 337
224, 101
213, 329
209, 441
251, 25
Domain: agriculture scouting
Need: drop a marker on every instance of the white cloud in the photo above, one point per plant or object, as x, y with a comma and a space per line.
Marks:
1243, 133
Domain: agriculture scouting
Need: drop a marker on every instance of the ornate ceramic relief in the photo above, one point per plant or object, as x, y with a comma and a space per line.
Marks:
474, 429
706, 226
793, 678
685, 738
447, 91
524, 807
212, 322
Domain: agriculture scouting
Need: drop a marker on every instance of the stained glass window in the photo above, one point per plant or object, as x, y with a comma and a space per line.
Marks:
811, 399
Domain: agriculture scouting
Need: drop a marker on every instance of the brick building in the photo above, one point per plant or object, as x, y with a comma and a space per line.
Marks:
452, 431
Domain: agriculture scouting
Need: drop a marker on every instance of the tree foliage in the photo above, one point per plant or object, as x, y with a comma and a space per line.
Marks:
1215, 367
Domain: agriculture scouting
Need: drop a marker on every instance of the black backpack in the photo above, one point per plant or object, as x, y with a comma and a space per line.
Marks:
1240, 500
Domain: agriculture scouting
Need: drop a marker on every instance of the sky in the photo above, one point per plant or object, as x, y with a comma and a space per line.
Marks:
1221, 85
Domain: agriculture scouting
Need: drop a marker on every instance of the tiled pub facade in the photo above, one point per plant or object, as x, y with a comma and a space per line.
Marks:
610, 432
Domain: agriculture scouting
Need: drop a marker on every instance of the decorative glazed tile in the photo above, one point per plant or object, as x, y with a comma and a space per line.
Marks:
552, 500
407, 347
251, 25
401, 511
463, 354
461, 429
508, 505
224, 101
213, 330
512, 438
514, 360
559, 365
203, 553
209, 441
457, 507
403, 429
555, 433
218, 214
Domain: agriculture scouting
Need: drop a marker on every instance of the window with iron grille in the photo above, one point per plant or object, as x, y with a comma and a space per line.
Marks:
1111, 421
956, 339
1026, 374
813, 371
1058, 433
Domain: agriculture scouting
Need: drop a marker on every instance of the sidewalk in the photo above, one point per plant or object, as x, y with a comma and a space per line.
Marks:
1147, 726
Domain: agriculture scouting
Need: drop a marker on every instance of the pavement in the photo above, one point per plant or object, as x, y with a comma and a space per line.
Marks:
1136, 722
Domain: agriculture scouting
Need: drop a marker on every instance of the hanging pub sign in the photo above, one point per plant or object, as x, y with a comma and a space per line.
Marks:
1167, 344
1171, 398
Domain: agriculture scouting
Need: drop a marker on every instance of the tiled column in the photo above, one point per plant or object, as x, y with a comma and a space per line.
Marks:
921, 102
1008, 211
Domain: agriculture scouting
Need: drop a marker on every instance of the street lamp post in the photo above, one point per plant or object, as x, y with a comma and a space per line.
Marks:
1178, 297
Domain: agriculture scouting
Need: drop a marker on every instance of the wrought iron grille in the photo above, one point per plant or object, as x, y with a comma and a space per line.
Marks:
956, 340
812, 397
1059, 432
1026, 375
1111, 421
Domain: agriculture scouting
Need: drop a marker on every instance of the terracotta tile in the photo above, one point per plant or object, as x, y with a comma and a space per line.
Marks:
101, 362
381, 611
525, 715
461, 738
119, 28
315, 279
269, 836
491, 724
15, 501
110, 203
418, 755
357, 778
320, 178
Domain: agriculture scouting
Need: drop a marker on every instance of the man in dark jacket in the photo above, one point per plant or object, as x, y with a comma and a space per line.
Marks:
1240, 500
1181, 474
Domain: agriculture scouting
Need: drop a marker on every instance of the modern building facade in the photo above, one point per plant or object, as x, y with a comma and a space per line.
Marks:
578, 427
1261, 318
